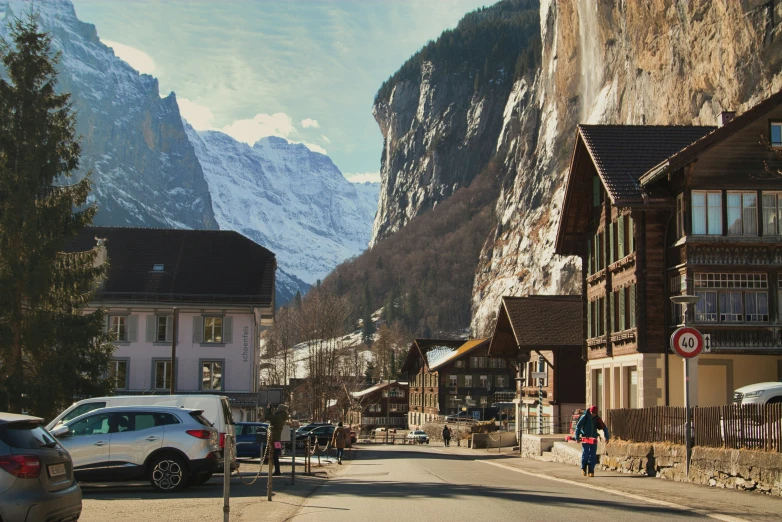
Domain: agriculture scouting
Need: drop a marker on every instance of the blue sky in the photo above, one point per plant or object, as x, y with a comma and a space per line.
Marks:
306, 70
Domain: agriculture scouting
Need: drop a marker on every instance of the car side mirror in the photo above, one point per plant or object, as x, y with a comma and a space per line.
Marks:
61, 431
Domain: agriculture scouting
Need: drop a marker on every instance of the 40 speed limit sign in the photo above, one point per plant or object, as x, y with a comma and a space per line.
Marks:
687, 342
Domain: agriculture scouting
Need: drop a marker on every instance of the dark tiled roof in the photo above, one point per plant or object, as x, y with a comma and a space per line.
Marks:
686, 155
198, 265
546, 320
623, 153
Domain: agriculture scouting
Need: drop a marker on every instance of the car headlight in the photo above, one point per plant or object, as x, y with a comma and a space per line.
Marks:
758, 393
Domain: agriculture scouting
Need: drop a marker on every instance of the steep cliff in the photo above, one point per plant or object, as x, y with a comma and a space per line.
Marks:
441, 113
653, 62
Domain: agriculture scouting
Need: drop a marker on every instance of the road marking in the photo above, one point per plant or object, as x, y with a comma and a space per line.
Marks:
717, 516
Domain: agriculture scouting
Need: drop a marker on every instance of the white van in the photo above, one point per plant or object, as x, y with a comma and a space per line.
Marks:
216, 408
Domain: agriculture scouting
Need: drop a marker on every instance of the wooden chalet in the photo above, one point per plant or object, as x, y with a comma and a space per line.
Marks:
548, 327
455, 377
381, 405
655, 211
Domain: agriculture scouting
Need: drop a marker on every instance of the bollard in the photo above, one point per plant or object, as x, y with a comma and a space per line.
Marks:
308, 459
227, 478
293, 458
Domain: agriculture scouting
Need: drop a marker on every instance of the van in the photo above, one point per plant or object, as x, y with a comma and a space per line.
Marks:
216, 408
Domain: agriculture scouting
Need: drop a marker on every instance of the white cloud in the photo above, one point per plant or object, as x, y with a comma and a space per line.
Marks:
361, 177
325, 138
139, 60
199, 116
309, 122
262, 125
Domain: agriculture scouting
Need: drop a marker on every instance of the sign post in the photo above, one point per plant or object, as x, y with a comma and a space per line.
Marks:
687, 342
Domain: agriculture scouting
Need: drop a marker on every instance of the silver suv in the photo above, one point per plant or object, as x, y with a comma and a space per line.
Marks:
36, 473
171, 447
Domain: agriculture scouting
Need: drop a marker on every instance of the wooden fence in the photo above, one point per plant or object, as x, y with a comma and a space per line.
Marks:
753, 426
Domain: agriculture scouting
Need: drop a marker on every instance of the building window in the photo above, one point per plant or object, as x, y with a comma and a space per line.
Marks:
731, 309
162, 375
502, 381
597, 389
452, 381
213, 329
742, 213
212, 375
478, 362
484, 381
756, 307
468, 381
731, 298
497, 362
706, 307
162, 328
484, 401
731, 280
707, 212
459, 364
118, 374
396, 392
772, 213
776, 134
398, 408
632, 387
373, 408
118, 327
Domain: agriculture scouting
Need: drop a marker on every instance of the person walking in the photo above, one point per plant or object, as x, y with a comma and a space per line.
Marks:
447, 436
277, 422
339, 440
586, 434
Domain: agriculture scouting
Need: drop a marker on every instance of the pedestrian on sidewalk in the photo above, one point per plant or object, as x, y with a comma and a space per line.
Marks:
447, 436
586, 434
339, 440
277, 422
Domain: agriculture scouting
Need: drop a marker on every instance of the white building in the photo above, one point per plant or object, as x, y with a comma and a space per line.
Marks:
221, 285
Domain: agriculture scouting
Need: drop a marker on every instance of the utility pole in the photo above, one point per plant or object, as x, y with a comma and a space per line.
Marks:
540, 395
174, 329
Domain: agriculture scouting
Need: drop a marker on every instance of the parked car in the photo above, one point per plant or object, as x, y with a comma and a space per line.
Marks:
169, 446
36, 473
322, 434
311, 426
761, 393
248, 443
461, 416
216, 408
418, 437
353, 436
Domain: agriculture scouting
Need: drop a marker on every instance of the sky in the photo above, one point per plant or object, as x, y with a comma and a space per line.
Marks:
305, 70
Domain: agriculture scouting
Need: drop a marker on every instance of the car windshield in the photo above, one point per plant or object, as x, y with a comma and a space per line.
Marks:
26, 435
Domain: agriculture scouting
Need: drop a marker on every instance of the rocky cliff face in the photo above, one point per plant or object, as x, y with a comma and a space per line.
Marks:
145, 172
653, 62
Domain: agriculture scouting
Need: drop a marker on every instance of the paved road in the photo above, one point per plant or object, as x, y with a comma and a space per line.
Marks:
423, 483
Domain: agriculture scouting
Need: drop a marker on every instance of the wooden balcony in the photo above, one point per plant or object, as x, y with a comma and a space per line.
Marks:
743, 338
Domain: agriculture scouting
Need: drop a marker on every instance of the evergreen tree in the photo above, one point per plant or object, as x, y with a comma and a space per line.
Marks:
297, 300
368, 326
50, 350
413, 310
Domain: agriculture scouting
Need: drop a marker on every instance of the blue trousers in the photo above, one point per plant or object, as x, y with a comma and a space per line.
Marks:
339, 453
588, 456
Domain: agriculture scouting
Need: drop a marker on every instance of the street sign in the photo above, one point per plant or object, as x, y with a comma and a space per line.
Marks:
687, 342
706, 343
476, 415
538, 375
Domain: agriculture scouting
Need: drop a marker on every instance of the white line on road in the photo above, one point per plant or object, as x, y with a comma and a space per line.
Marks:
717, 516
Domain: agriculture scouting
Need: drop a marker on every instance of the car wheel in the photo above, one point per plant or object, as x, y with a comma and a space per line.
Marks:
200, 479
168, 473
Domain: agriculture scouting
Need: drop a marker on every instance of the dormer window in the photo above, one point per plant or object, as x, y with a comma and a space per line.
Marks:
776, 134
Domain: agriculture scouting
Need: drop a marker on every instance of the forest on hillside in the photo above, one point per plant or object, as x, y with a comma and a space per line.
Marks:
423, 274
495, 45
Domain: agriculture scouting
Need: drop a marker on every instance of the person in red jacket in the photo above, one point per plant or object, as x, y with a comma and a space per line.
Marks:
586, 434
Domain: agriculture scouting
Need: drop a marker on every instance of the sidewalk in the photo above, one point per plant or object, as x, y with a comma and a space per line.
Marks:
717, 503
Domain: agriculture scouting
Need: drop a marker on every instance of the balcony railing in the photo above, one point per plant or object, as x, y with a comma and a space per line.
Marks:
742, 337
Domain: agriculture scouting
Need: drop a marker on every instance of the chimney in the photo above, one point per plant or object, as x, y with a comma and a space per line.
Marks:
725, 117
102, 252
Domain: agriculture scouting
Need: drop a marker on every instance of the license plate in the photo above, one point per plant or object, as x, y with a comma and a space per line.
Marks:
56, 470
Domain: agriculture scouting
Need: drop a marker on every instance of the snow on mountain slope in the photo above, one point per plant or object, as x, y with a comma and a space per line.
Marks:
144, 170
289, 199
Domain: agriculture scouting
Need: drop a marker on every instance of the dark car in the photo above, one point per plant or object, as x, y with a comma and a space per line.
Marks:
36, 473
322, 434
248, 442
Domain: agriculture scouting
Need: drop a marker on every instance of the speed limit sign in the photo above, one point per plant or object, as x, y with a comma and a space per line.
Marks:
687, 342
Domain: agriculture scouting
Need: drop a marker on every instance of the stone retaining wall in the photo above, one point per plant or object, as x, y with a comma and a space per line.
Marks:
734, 469
498, 439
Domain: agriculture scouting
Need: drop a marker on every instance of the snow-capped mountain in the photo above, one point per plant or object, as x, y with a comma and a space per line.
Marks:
288, 198
146, 171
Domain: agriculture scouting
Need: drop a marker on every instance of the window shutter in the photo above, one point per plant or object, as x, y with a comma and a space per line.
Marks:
460, 380
151, 324
227, 330
132, 328
611, 312
589, 257
169, 328
631, 231
589, 320
611, 243
620, 240
198, 329
632, 306
622, 323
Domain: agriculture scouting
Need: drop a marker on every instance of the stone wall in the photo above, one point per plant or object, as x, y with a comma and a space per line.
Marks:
498, 439
733, 469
